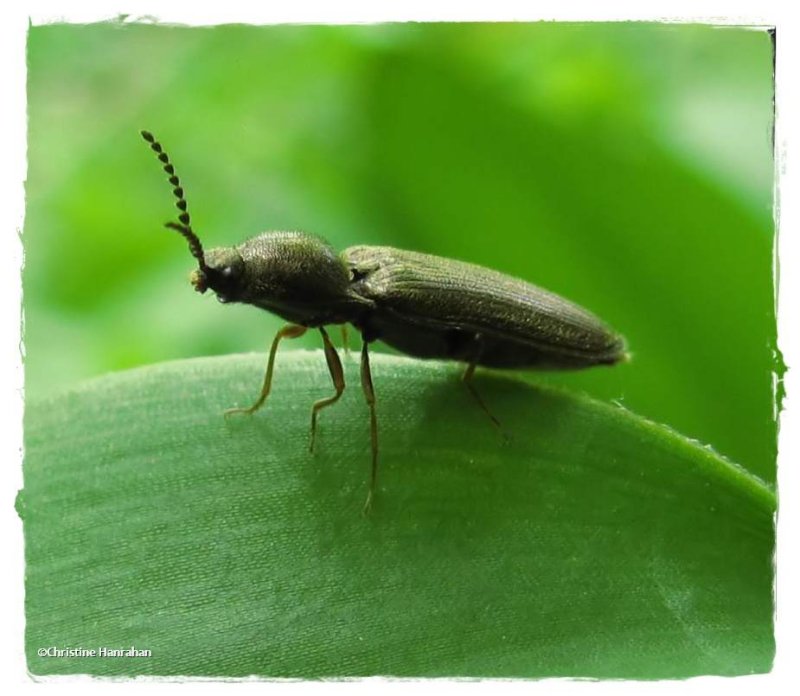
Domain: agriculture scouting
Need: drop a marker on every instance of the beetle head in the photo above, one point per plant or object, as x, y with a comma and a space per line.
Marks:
223, 272
295, 275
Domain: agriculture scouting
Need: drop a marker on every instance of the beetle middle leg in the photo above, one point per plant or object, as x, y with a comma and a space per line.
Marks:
369, 393
290, 331
337, 375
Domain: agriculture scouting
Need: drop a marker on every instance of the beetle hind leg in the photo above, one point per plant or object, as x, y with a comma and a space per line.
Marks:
466, 378
337, 375
474, 349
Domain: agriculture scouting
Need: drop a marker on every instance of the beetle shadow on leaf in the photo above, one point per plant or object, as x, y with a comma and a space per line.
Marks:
453, 494
450, 462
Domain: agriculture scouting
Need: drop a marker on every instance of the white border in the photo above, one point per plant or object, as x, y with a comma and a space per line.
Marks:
14, 26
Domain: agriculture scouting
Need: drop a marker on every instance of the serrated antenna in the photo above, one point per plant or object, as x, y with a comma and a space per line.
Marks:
184, 224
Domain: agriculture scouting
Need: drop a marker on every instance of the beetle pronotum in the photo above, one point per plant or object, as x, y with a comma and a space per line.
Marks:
425, 306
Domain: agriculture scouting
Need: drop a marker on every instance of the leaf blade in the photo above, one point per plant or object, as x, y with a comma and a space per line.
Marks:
593, 544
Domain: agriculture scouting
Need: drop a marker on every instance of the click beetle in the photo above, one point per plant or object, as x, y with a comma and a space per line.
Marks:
424, 306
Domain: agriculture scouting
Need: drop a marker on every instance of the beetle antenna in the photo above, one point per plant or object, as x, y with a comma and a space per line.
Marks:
184, 226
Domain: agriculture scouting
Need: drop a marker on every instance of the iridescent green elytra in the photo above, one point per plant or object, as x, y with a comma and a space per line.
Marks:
425, 306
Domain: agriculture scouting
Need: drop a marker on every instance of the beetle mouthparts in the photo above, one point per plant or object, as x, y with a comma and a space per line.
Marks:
199, 281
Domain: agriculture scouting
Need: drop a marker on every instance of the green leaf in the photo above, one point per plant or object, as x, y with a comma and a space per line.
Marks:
589, 543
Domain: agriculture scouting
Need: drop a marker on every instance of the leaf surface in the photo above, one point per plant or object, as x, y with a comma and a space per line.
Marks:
590, 542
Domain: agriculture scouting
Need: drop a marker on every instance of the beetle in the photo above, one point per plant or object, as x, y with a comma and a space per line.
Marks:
423, 305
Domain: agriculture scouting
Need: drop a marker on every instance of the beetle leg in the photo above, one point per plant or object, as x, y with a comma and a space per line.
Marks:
467, 379
337, 375
345, 339
290, 331
369, 393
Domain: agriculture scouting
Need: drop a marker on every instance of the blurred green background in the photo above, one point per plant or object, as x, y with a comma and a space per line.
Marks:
627, 167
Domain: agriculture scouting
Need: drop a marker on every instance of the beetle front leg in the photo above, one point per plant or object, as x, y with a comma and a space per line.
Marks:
337, 375
291, 331
369, 393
